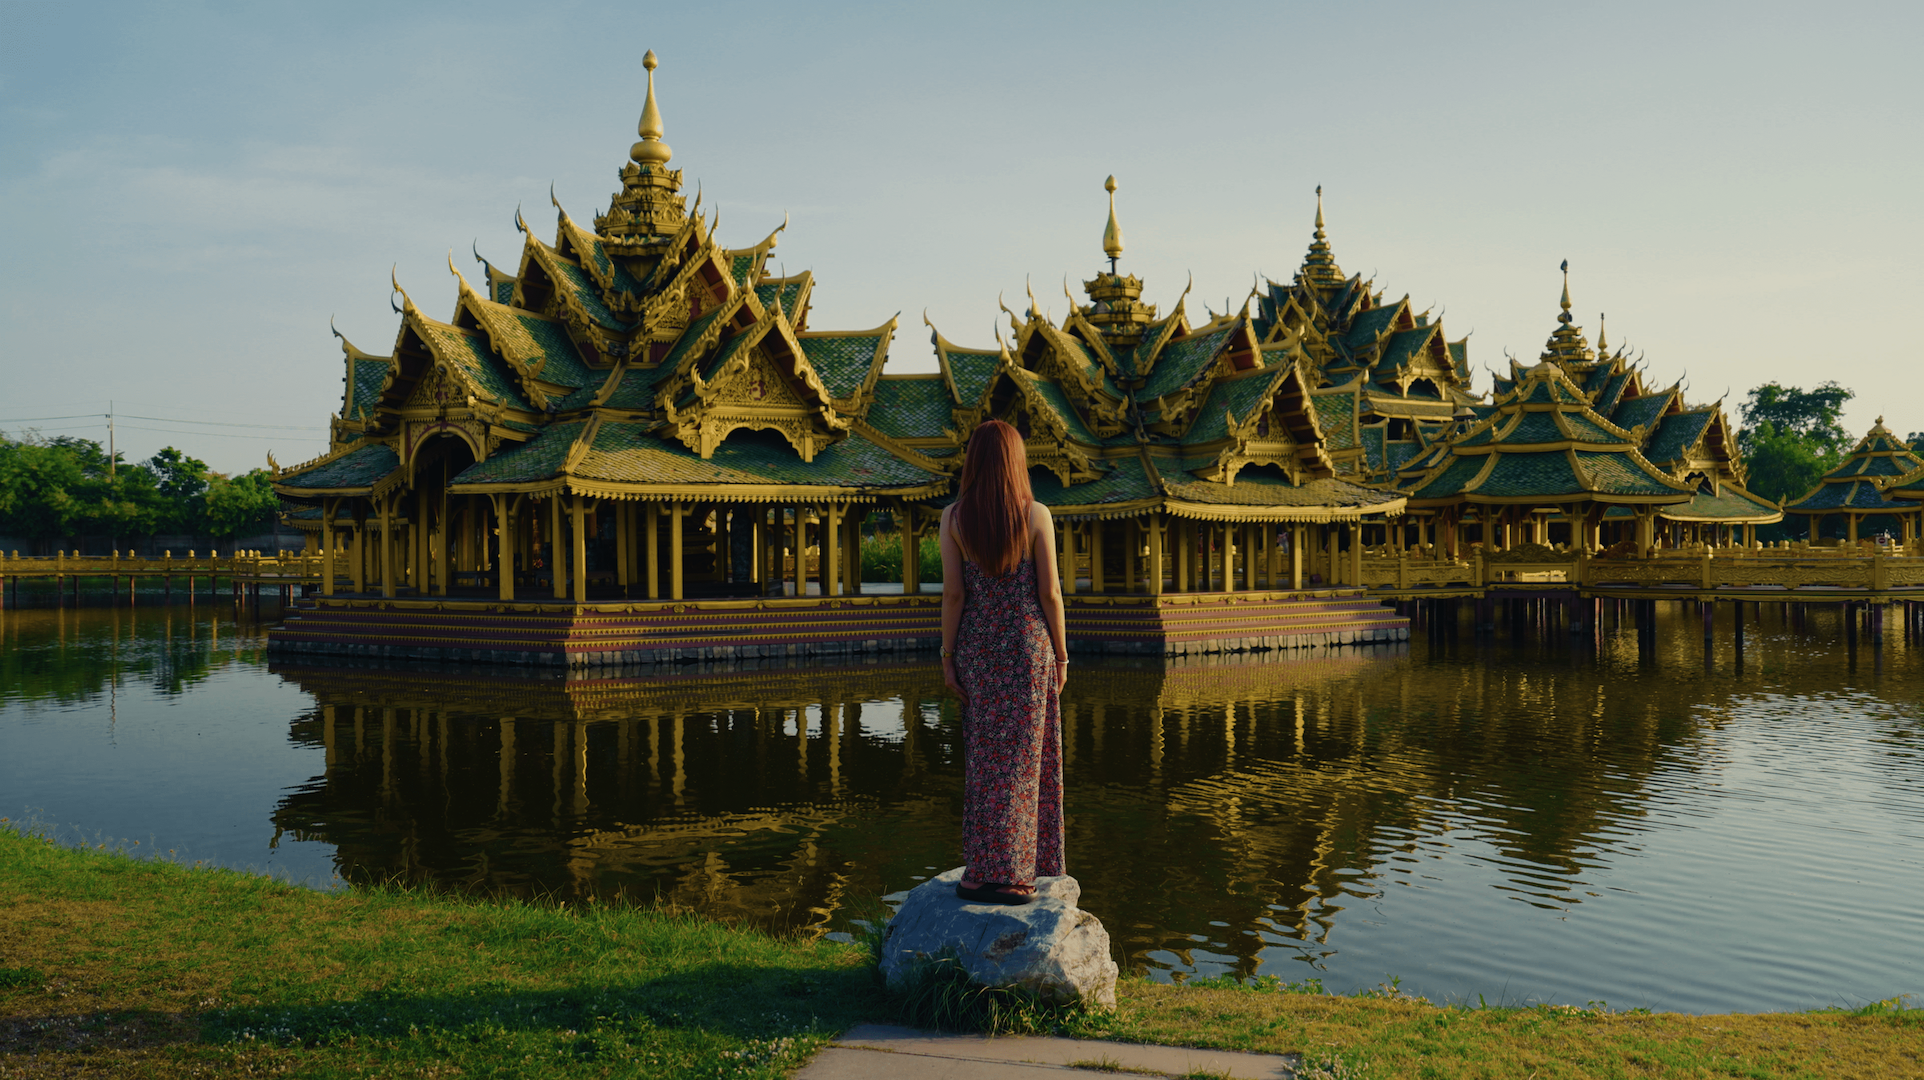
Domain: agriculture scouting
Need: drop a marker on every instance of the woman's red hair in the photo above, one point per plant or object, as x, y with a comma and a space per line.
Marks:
993, 505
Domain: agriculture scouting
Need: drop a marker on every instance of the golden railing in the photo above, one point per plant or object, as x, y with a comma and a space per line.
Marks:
250, 564
1786, 567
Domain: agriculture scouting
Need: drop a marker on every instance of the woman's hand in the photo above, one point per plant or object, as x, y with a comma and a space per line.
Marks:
1062, 676
949, 676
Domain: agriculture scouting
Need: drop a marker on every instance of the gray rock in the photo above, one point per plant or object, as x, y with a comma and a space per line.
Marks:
1049, 947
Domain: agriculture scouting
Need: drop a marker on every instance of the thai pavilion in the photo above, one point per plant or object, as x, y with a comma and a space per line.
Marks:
1578, 441
638, 413
1878, 485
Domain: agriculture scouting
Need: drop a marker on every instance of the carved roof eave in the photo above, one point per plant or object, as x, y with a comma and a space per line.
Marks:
769, 323
311, 464
1041, 410
1100, 401
1091, 337
603, 343
943, 347
903, 450
1176, 402
583, 241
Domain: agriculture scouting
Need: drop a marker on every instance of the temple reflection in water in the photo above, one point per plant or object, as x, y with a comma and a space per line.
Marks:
789, 798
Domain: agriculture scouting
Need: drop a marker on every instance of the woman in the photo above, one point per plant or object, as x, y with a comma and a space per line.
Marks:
1005, 655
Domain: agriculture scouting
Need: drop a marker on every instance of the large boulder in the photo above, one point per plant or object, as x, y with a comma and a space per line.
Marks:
1048, 947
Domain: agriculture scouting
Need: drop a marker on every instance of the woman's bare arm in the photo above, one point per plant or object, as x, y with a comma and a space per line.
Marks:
1048, 584
954, 592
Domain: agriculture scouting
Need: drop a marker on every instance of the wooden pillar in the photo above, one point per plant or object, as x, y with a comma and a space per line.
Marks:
327, 545
387, 546
832, 550
675, 575
799, 547
624, 535
1298, 537
1156, 524
1356, 554
556, 554
1249, 556
1185, 552
1131, 542
911, 552
580, 559
1852, 519
1095, 556
442, 569
505, 507
653, 530
1066, 555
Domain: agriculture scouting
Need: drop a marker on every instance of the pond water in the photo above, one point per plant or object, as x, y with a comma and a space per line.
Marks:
1509, 817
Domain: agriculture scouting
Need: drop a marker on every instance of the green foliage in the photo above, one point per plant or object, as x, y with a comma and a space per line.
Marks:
181, 482
882, 558
939, 994
240, 504
1790, 439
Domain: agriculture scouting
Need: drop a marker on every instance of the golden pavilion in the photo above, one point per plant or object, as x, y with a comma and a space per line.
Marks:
634, 447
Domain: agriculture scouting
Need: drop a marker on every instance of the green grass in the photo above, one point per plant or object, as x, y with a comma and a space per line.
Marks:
113, 966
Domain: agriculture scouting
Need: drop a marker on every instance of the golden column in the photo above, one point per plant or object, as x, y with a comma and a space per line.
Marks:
580, 547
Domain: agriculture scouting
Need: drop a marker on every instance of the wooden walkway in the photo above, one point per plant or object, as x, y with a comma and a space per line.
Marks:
246, 574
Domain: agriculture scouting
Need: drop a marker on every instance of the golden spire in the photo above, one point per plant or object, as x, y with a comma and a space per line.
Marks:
1319, 266
1603, 345
650, 150
1565, 317
1112, 235
1567, 344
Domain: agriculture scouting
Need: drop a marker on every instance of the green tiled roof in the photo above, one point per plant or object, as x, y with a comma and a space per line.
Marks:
1181, 361
1370, 325
637, 388
1531, 427
1620, 474
622, 280
1239, 396
688, 338
1400, 452
971, 372
1374, 438
561, 362
1503, 386
1675, 434
1336, 415
770, 293
1460, 357
540, 458
360, 468
1612, 394
470, 350
1451, 480
1878, 465
368, 377
627, 452
1404, 346
842, 361
1586, 430
578, 283
740, 267
1729, 504
1145, 350
504, 291
1547, 473
910, 408
1253, 488
1058, 403
1548, 391
1850, 495
1125, 482
1911, 486
1644, 412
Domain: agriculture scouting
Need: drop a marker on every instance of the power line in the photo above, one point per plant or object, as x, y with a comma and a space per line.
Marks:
223, 434
222, 423
75, 416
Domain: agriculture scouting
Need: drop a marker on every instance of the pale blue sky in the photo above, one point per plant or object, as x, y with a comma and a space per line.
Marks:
192, 189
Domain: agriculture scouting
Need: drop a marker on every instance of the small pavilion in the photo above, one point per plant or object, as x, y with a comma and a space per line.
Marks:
1878, 483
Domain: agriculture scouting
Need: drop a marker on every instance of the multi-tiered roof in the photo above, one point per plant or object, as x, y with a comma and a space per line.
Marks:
637, 359
1580, 425
1879, 476
1126, 410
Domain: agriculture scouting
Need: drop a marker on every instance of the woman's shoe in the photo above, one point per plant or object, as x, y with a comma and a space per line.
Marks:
991, 893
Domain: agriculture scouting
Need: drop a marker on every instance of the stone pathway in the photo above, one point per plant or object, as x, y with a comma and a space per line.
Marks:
878, 1052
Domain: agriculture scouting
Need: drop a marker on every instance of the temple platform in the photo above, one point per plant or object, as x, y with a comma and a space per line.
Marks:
655, 632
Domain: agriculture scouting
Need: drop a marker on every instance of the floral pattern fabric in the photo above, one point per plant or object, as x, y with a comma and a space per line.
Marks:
1012, 730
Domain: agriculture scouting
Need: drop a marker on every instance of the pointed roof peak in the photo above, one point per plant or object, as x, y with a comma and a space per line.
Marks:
1567, 344
1319, 266
650, 150
1112, 233
1565, 316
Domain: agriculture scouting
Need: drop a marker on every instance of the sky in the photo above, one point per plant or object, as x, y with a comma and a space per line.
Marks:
192, 191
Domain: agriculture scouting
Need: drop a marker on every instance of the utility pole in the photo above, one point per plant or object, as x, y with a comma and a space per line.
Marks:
110, 439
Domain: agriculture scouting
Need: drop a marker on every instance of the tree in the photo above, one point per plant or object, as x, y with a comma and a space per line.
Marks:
181, 482
38, 480
1790, 438
234, 505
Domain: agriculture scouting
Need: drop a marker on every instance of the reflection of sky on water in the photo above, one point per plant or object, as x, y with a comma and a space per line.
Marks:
1516, 819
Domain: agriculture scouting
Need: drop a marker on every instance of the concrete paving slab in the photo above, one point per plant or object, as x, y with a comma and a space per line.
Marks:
881, 1052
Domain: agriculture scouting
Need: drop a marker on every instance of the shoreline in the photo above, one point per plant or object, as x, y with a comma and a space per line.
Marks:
121, 966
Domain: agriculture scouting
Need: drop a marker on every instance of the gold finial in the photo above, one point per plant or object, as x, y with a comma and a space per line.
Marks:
650, 150
1603, 345
1565, 317
1112, 235
1319, 213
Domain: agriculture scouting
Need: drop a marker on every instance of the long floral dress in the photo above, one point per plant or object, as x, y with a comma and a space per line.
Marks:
1012, 730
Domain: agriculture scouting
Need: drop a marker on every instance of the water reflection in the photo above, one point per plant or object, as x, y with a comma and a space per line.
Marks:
1630, 816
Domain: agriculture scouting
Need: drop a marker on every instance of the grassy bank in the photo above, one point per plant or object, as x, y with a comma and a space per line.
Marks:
112, 966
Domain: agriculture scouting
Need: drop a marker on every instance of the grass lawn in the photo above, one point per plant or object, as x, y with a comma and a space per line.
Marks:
114, 966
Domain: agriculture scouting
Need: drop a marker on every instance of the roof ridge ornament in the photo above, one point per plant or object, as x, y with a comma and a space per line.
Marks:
650, 150
1565, 316
1112, 233
1319, 266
